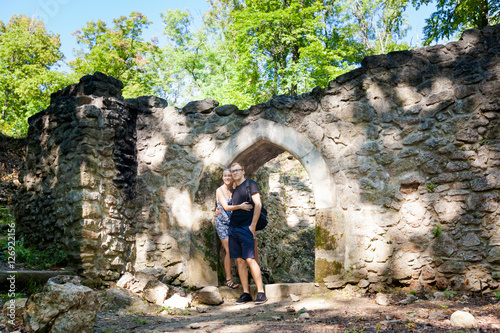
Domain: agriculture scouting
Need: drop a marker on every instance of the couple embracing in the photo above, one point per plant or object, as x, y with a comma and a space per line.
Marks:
236, 228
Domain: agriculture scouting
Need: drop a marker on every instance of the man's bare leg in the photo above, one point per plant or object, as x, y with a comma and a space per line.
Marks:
256, 253
255, 270
243, 273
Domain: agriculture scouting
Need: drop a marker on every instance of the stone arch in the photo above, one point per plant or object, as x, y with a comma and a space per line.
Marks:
249, 144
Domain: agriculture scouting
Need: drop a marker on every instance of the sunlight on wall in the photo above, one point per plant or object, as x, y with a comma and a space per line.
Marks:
180, 202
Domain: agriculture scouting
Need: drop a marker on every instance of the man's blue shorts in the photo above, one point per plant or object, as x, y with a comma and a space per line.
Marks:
241, 243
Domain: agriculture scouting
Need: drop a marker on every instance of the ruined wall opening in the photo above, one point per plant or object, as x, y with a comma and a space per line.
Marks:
287, 245
259, 147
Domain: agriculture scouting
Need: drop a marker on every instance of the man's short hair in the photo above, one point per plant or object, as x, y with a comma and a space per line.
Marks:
236, 163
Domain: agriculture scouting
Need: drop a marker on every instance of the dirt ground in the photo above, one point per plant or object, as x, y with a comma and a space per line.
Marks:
336, 311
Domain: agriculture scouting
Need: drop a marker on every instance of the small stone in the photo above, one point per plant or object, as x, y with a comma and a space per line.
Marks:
382, 299
200, 309
276, 318
439, 315
290, 310
121, 297
194, 326
294, 298
204, 106
177, 302
439, 295
463, 319
304, 316
18, 305
335, 285
408, 300
363, 283
226, 110
125, 281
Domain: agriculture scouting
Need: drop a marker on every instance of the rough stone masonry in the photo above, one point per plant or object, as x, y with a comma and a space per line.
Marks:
403, 154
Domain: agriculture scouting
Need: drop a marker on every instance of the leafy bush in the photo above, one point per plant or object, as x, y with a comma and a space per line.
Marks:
32, 257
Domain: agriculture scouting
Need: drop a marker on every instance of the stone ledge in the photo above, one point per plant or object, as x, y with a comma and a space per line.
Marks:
26, 277
278, 291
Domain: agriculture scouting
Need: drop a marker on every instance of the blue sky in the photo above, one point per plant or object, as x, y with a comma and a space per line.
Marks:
66, 16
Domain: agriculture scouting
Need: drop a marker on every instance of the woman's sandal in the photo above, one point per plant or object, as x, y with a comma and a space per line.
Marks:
265, 270
231, 284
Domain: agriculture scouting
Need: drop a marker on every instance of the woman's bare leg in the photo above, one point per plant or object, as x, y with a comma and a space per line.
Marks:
227, 259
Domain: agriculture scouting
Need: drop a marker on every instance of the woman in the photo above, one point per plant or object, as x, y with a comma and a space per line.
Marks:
223, 194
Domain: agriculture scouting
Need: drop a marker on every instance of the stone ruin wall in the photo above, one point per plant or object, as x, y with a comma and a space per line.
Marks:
410, 140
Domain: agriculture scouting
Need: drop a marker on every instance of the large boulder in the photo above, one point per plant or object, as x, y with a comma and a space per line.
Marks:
63, 305
155, 292
141, 279
121, 297
210, 295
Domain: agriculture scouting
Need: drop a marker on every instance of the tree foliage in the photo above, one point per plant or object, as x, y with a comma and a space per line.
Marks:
27, 54
246, 52
291, 46
455, 16
119, 51
283, 46
379, 24
198, 63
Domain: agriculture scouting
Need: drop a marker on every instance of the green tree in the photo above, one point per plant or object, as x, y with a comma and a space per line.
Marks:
455, 16
197, 63
28, 52
378, 24
119, 52
290, 46
278, 43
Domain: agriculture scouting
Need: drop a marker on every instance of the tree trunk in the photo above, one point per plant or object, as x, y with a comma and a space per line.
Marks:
295, 60
483, 18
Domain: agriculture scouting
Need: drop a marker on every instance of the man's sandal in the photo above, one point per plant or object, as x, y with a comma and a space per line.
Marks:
265, 270
231, 284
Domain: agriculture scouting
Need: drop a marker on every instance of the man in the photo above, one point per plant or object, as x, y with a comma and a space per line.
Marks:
242, 234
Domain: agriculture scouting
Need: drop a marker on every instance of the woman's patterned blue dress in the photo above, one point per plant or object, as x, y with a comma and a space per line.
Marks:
222, 221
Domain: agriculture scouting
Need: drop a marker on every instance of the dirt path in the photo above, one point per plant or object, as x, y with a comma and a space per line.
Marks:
337, 311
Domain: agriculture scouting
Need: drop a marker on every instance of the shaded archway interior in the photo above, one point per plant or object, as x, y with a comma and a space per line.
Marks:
255, 157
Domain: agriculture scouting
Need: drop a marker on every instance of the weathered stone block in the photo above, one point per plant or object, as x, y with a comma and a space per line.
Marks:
452, 266
226, 110
203, 106
491, 181
63, 305
210, 295
155, 292
494, 255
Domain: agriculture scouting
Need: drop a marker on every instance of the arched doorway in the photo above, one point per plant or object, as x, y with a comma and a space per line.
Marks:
263, 140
